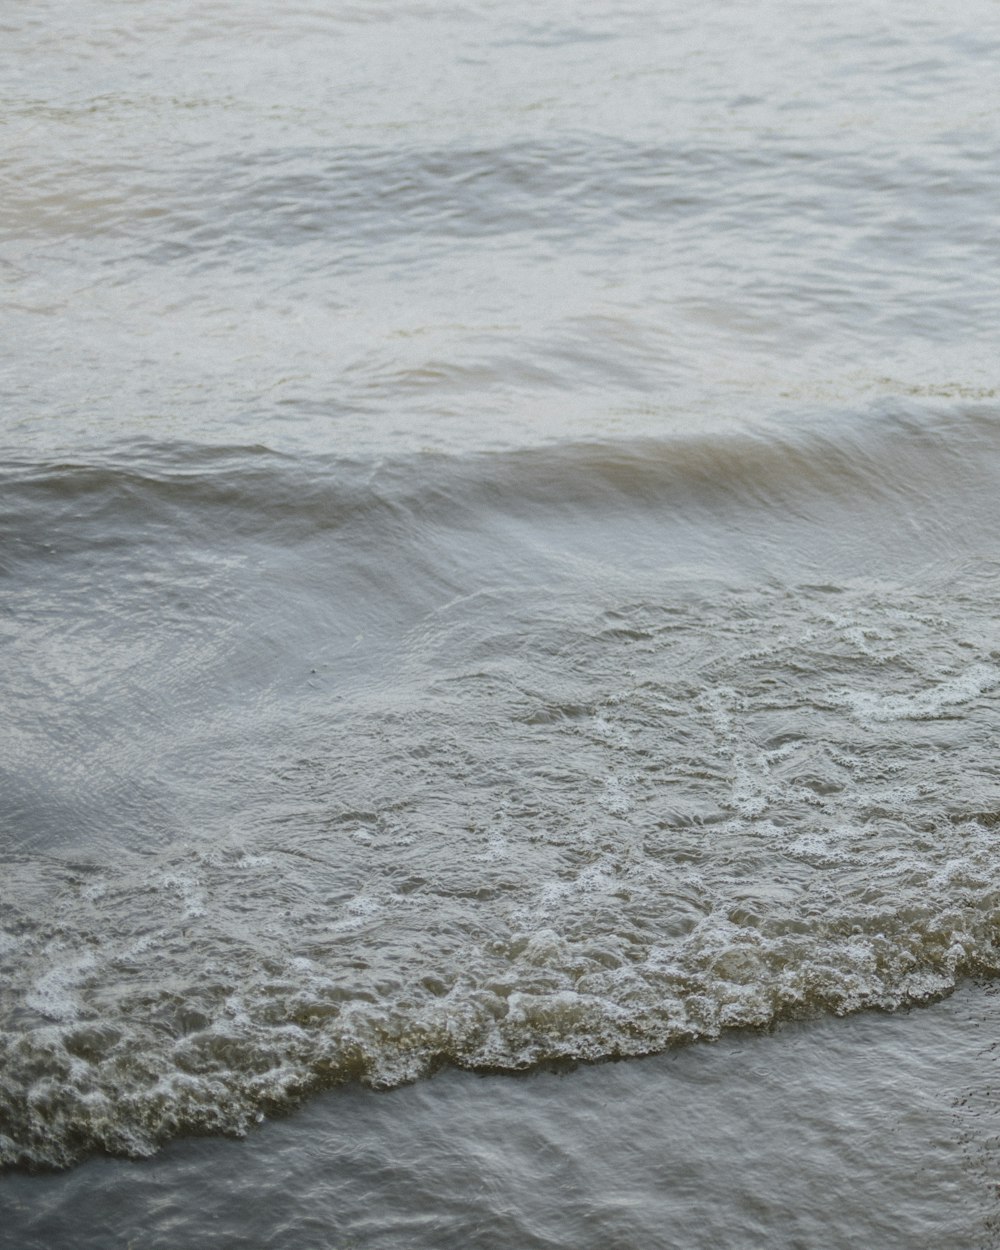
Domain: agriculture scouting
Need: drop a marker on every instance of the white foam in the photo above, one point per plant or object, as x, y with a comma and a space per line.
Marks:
191, 895
752, 787
553, 892
54, 993
253, 861
614, 797
496, 848
817, 849
614, 735
358, 909
928, 704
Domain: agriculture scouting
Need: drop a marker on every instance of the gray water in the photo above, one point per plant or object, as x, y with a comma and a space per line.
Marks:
498, 574
867, 1131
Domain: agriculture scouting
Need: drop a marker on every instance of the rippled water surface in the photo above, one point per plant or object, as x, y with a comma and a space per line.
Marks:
498, 570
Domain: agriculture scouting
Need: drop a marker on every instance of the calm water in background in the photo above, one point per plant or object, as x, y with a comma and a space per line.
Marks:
499, 570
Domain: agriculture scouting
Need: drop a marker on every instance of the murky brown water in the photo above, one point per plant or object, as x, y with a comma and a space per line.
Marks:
499, 569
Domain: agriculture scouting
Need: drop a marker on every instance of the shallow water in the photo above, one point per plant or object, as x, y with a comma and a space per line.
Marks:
498, 568
873, 1130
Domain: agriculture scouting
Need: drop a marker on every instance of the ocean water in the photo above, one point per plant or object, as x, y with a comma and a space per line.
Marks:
498, 574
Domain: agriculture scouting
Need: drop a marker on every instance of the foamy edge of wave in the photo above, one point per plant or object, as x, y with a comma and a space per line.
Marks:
76, 1086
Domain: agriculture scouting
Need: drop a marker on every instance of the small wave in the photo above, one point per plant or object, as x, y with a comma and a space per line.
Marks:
910, 464
652, 823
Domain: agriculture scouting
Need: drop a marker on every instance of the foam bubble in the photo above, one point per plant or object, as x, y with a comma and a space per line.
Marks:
54, 994
935, 701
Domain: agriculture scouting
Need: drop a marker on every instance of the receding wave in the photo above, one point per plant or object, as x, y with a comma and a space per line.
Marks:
577, 814
649, 822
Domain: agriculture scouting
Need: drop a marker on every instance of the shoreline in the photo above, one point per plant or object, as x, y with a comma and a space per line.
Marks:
876, 1129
